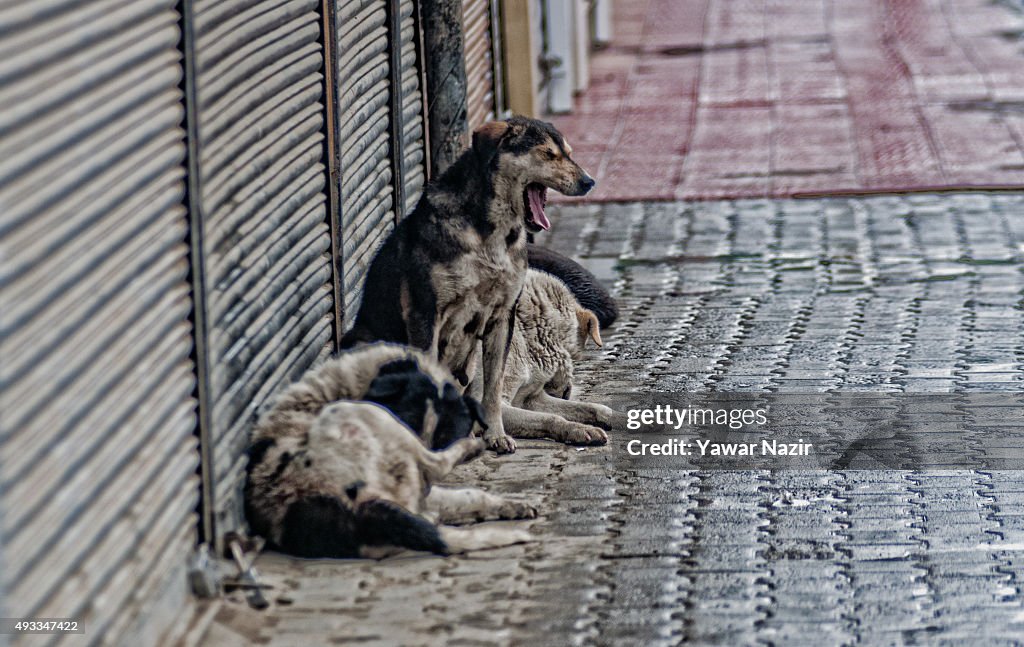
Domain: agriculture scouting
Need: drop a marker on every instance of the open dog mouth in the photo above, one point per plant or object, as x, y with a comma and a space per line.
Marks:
536, 196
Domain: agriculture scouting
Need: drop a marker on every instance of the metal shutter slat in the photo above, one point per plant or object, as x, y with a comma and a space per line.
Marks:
157, 584
262, 322
85, 376
269, 236
239, 75
242, 123
364, 143
78, 165
284, 364
266, 243
95, 562
263, 171
97, 438
67, 267
413, 146
78, 73
479, 64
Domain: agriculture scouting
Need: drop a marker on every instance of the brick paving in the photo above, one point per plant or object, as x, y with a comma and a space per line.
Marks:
706, 99
906, 294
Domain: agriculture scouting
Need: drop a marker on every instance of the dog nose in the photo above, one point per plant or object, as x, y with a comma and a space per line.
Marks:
586, 184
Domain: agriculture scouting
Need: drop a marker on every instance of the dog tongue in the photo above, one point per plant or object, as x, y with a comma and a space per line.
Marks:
535, 194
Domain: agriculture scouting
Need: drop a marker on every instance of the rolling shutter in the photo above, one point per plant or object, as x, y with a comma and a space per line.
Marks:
479, 53
364, 139
413, 145
97, 452
266, 243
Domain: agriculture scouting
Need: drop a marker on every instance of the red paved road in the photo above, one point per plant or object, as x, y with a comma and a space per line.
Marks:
730, 98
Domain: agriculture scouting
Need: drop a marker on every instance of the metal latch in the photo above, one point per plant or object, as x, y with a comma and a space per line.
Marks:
244, 552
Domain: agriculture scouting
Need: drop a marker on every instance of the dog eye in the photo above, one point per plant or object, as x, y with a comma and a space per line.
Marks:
550, 154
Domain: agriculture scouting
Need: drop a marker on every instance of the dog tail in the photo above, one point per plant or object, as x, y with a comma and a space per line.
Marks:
584, 285
323, 526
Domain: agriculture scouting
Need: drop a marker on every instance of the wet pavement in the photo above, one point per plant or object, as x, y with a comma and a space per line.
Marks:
707, 99
898, 294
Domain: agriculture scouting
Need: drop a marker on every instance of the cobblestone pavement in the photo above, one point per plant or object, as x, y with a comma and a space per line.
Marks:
903, 294
753, 98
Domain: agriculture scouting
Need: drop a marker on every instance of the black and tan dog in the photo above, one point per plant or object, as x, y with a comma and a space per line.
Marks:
448, 277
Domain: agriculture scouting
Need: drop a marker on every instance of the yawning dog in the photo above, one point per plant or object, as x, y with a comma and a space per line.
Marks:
448, 277
332, 477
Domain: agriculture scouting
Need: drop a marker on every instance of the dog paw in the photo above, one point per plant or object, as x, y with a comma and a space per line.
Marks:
502, 444
585, 435
516, 510
519, 536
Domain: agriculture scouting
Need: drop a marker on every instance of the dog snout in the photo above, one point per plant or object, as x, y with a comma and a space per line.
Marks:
585, 184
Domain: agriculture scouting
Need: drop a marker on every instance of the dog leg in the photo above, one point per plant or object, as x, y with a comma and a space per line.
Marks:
470, 505
523, 423
420, 320
495, 351
588, 413
438, 464
462, 540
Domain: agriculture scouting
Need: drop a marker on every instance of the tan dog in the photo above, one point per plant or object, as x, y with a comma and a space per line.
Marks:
552, 330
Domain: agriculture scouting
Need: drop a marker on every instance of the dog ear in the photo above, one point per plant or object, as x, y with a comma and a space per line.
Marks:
590, 327
487, 138
392, 381
476, 411
386, 388
399, 366
406, 392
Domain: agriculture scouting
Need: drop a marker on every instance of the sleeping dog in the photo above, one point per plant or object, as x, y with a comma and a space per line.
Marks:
447, 279
584, 285
333, 477
551, 332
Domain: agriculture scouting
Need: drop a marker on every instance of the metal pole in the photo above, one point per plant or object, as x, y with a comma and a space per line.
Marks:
446, 80
328, 37
197, 276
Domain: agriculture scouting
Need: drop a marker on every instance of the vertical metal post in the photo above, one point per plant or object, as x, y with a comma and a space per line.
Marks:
197, 274
329, 38
394, 19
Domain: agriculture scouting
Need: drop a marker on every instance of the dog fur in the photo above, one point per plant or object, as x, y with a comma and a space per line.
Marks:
551, 332
449, 275
584, 285
329, 477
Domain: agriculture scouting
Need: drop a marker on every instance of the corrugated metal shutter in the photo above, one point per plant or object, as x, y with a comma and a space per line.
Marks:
479, 53
97, 452
366, 193
266, 242
413, 145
